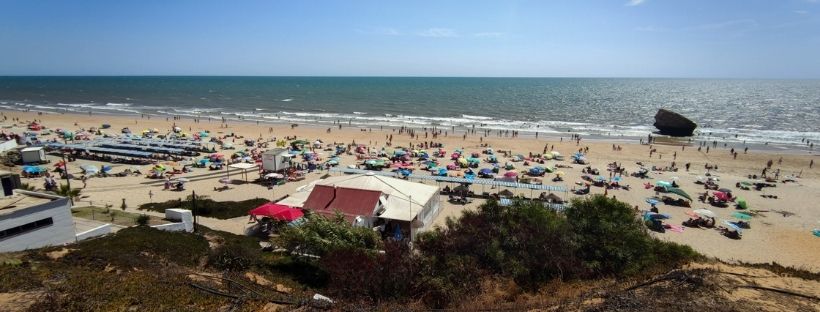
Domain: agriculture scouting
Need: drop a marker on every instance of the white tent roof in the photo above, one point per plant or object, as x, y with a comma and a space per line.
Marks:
243, 166
296, 199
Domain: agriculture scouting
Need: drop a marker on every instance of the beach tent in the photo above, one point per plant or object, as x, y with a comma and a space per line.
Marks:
705, 213
741, 216
679, 192
90, 169
33, 169
741, 204
721, 196
510, 174
664, 184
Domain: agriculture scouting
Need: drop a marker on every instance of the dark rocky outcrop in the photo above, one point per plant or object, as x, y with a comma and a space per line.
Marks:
674, 124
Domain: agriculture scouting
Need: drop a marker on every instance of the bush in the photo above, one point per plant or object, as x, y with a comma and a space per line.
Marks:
525, 241
320, 235
235, 253
142, 220
207, 207
139, 247
612, 240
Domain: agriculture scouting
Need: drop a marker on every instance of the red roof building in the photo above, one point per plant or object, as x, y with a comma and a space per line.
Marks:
327, 200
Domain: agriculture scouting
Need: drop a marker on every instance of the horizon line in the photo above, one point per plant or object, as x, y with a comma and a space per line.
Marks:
413, 76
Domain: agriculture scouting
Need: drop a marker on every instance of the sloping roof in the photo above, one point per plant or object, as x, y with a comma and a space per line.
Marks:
352, 203
418, 193
320, 197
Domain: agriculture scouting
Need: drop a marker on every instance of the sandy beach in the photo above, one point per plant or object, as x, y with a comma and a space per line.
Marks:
781, 231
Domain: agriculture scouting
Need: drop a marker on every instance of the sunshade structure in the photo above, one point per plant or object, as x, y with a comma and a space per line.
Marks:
244, 167
679, 192
741, 204
705, 213
741, 216
491, 182
33, 169
277, 211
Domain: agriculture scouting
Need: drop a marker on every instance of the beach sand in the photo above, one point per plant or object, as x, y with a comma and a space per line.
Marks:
774, 237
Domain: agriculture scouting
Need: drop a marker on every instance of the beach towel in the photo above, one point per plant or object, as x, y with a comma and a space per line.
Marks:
674, 228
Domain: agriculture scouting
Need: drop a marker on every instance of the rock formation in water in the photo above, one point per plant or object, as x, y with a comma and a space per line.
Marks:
674, 124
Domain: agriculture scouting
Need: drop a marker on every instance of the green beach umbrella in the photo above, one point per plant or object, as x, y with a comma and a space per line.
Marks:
744, 183
741, 216
679, 192
741, 203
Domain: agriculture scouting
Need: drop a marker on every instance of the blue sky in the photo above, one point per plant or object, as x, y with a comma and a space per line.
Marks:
564, 38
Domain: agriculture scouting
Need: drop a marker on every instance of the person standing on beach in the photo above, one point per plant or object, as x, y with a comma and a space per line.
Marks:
811, 163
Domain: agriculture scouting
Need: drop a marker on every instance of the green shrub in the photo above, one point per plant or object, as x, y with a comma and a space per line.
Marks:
139, 247
142, 220
236, 253
612, 240
207, 207
320, 235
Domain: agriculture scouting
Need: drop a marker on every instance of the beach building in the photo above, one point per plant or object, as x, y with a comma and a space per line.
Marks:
276, 159
33, 220
372, 200
33, 155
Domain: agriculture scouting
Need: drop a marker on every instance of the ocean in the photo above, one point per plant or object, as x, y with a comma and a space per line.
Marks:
757, 111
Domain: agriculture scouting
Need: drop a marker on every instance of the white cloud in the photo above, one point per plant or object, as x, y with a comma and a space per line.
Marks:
490, 34
635, 2
438, 33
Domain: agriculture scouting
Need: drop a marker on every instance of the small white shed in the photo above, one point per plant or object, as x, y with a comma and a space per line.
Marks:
277, 159
31, 155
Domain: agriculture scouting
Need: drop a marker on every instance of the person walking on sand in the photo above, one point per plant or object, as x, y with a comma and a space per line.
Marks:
811, 163
85, 180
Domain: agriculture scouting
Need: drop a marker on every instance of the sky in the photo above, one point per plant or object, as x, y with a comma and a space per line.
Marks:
548, 38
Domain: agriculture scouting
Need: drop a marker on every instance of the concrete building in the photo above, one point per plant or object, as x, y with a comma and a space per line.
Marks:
32, 220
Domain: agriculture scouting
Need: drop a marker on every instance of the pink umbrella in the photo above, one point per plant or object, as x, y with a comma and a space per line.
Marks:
268, 209
721, 196
510, 174
289, 214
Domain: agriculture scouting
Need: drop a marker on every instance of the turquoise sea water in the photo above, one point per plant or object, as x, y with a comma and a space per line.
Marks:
756, 110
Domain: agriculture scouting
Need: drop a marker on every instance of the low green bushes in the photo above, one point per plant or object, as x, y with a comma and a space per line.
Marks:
207, 207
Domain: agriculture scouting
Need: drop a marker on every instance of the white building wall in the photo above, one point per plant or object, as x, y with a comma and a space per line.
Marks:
7, 145
59, 233
97, 231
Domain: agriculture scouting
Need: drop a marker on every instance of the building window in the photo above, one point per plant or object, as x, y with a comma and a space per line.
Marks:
28, 227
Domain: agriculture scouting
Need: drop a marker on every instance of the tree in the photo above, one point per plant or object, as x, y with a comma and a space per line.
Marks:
320, 235
143, 219
68, 192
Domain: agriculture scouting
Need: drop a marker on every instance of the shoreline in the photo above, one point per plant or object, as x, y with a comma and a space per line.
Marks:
774, 147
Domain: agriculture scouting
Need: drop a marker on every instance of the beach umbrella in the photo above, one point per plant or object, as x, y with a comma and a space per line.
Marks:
560, 173
652, 201
744, 183
289, 214
741, 216
705, 213
679, 192
721, 196
616, 179
510, 174
268, 209
741, 203
692, 214
106, 168
732, 226
600, 179
663, 184
725, 190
